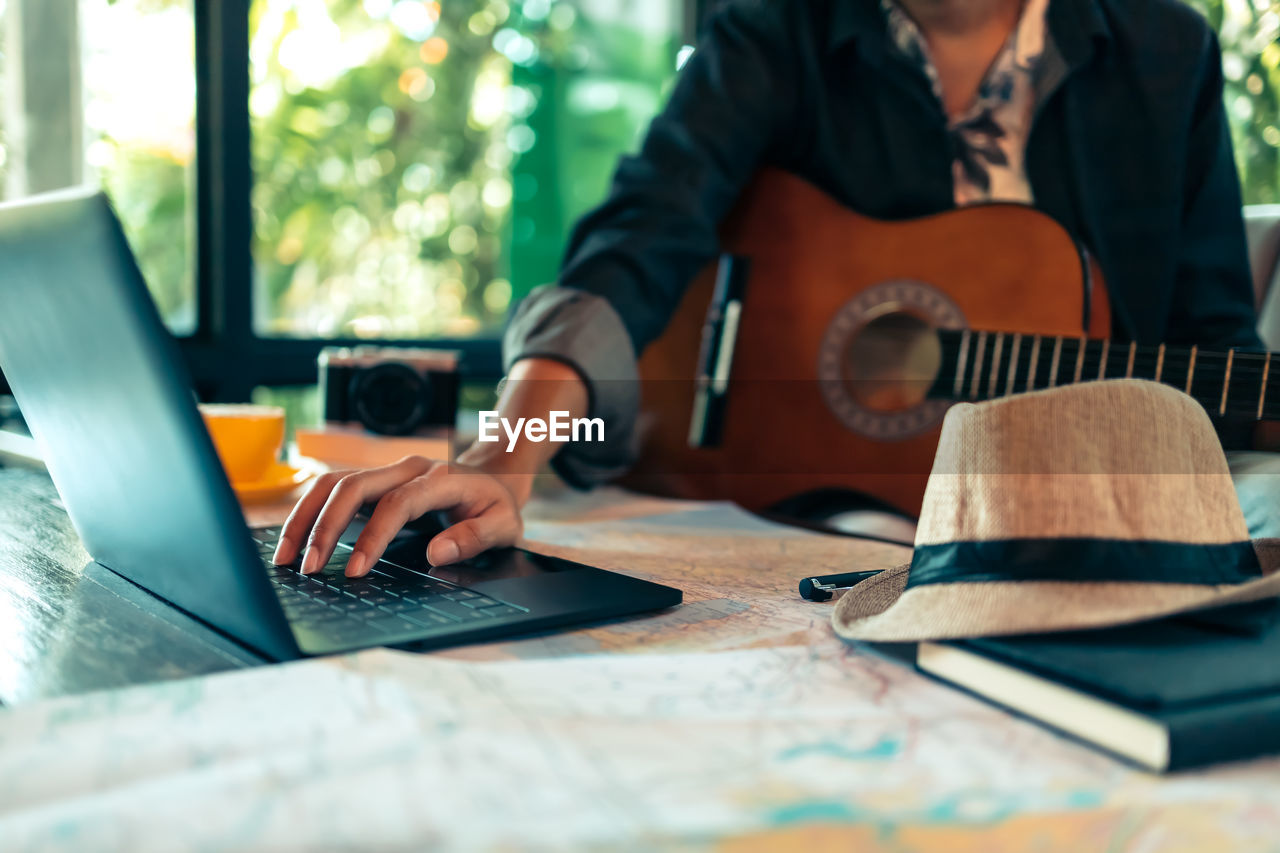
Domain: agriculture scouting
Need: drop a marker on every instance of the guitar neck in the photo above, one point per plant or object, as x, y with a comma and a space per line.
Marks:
978, 365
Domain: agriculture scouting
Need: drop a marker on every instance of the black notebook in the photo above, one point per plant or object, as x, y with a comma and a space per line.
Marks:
1165, 695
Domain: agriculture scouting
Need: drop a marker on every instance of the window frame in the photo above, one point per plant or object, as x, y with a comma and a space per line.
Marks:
226, 357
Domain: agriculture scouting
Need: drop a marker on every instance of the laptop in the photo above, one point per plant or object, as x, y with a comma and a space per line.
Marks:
102, 386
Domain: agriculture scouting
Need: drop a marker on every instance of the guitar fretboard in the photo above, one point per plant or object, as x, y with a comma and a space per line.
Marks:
980, 365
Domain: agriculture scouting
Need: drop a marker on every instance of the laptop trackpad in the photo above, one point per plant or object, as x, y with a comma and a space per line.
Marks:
495, 565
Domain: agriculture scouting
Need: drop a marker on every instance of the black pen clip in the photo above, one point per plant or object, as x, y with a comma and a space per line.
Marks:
812, 590
821, 588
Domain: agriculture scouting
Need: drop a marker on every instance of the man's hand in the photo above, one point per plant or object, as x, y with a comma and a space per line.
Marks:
482, 492
485, 513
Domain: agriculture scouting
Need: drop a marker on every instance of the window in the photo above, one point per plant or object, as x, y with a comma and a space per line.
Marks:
418, 164
1249, 31
83, 104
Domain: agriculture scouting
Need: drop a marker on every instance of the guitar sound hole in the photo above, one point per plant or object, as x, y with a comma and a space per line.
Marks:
891, 361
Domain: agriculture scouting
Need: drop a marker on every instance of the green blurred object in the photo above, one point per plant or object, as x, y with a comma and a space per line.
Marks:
595, 101
301, 404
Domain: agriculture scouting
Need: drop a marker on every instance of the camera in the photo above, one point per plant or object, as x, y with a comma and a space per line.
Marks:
390, 390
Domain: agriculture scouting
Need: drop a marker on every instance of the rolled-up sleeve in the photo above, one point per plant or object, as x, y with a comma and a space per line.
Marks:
583, 331
629, 261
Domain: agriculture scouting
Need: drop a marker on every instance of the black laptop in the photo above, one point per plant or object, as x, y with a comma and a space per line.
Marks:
101, 384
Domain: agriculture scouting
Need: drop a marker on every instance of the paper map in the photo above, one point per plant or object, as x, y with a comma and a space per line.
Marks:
792, 739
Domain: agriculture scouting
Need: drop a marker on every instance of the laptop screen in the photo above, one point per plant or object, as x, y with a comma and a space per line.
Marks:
102, 387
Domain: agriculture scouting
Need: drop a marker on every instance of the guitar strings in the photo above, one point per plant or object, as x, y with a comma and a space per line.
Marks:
1238, 392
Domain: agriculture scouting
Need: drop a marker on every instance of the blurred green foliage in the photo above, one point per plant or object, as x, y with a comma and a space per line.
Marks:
389, 148
1249, 32
371, 180
151, 193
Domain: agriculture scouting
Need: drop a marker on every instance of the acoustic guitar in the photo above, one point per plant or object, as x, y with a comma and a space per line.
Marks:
832, 363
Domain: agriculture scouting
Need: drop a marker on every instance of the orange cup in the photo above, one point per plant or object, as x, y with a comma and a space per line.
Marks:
248, 438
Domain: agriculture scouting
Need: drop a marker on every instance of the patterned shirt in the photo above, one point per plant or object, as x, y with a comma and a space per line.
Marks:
990, 138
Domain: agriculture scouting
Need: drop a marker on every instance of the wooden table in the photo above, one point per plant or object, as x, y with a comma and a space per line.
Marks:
70, 625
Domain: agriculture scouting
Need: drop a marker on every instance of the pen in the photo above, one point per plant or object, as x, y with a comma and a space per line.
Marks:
819, 588
715, 357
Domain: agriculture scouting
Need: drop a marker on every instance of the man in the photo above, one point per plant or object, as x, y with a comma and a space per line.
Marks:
1107, 114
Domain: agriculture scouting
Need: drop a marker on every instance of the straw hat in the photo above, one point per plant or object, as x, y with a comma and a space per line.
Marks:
1094, 504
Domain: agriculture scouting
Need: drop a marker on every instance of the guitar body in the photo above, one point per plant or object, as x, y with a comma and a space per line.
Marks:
815, 400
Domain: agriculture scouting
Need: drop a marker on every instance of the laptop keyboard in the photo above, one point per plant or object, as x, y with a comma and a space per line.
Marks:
389, 601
